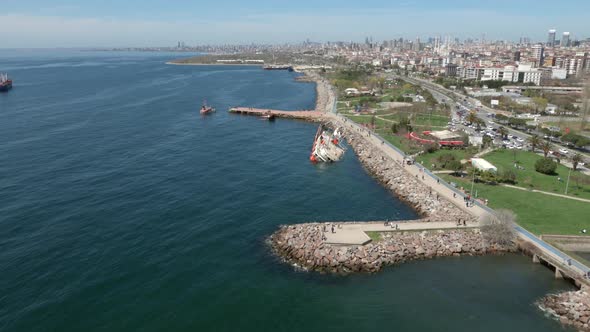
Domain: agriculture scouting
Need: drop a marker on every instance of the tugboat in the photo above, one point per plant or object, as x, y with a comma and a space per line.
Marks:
205, 109
5, 83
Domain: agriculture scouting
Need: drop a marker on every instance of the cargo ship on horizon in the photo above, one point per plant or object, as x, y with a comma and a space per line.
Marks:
5, 83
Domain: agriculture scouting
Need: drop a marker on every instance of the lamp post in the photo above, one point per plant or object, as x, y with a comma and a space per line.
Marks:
472, 182
568, 180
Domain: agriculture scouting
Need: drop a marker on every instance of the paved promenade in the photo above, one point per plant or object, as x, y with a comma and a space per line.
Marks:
418, 171
355, 233
446, 191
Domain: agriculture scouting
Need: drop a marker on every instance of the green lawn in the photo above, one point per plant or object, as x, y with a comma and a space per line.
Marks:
402, 143
428, 159
538, 213
531, 179
364, 119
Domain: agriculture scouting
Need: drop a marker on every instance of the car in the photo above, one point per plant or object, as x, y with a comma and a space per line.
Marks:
520, 139
563, 151
514, 137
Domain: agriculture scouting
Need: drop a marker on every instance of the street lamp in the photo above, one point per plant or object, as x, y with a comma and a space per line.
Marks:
567, 183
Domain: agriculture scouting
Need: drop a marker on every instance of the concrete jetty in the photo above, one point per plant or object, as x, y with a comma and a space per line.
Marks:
302, 114
351, 233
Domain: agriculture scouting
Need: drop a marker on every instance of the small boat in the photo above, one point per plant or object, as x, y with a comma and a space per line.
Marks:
5, 83
206, 109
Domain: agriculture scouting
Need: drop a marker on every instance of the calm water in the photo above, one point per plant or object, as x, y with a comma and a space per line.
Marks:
122, 209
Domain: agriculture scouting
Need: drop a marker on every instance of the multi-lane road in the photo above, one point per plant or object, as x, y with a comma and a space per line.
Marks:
455, 99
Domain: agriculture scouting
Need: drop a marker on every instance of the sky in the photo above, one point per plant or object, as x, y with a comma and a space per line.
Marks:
121, 23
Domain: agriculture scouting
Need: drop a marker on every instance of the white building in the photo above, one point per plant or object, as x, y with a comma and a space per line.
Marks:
559, 73
523, 74
483, 165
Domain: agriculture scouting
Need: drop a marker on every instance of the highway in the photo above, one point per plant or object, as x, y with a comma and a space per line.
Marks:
469, 104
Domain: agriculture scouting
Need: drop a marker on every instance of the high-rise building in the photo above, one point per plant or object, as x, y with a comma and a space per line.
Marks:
516, 56
416, 46
551, 38
538, 54
565, 39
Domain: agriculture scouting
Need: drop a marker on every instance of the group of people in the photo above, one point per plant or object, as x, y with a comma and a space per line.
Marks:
461, 222
468, 201
392, 224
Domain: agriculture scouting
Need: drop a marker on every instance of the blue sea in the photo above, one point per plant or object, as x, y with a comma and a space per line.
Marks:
123, 209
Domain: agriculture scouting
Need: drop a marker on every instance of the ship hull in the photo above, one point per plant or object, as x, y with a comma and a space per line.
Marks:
5, 87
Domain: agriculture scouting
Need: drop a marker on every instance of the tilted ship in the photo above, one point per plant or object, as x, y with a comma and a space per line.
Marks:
5, 83
327, 146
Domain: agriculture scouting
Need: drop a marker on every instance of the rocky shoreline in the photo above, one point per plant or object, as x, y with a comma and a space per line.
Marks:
570, 308
302, 246
407, 188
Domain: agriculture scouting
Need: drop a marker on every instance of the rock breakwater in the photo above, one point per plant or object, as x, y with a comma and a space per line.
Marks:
303, 246
407, 188
570, 308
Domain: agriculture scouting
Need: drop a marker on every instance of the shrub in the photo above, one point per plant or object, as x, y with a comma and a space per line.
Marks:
546, 166
454, 165
498, 229
431, 147
395, 128
445, 158
508, 176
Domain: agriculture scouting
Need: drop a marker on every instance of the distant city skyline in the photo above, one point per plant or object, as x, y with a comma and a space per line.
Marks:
111, 23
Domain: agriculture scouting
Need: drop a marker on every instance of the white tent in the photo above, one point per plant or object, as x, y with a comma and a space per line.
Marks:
483, 165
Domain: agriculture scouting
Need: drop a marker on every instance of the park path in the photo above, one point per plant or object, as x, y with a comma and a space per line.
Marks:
547, 193
416, 170
451, 194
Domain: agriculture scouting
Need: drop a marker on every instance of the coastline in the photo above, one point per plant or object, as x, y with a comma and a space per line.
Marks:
303, 245
212, 64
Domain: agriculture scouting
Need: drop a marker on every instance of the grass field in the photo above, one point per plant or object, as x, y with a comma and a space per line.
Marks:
400, 142
434, 121
429, 159
538, 213
531, 179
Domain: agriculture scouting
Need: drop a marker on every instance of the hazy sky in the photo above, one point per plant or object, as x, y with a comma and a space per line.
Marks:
82, 23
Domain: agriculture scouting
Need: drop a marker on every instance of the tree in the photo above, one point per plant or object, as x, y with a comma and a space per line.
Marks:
503, 132
546, 166
534, 141
455, 166
487, 141
576, 159
499, 229
585, 106
546, 147
472, 117
508, 176
540, 103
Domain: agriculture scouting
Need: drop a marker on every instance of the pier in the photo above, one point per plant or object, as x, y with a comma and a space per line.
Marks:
347, 233
301, 114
